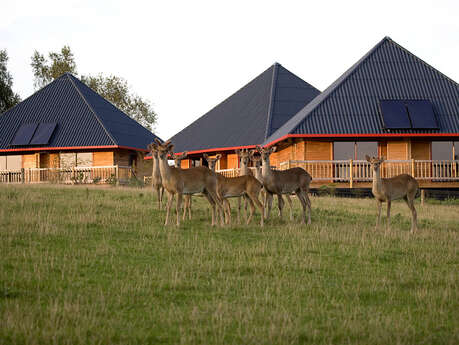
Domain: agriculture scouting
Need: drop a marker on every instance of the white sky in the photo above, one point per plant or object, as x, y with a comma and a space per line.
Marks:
188, 56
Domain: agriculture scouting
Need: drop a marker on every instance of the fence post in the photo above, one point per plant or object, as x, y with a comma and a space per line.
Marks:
351, 173
117, 175
22, 175
412, 168
423, 195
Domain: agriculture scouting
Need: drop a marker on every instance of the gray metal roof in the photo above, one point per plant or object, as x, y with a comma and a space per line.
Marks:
83, 117
250, 115
351, 104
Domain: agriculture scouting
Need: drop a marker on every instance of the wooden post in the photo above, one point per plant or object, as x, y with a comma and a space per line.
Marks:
73, 175
22, 175
288, 164
423, 195
351, 173
117, 175
412, 168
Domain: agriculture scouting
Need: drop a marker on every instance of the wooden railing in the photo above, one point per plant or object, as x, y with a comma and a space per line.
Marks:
76, 175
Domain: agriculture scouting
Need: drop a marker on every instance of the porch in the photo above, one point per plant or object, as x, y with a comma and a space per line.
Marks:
75, 175
358, 174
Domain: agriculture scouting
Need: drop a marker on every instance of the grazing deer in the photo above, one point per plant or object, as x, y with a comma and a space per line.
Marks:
246, 185
259, 176
177, 163
156, 174
186, 181
295, 180
388, 189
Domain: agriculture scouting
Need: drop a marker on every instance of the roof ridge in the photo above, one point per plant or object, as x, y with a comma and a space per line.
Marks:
70, 76
271, 98
321, 97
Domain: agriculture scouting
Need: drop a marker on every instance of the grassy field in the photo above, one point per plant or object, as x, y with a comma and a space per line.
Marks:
96, 266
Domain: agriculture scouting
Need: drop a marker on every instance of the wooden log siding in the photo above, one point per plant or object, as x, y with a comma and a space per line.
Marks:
103, 158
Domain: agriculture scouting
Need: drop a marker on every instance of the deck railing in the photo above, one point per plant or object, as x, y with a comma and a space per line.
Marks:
75, 175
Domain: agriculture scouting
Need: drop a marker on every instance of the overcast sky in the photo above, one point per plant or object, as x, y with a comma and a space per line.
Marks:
188, 56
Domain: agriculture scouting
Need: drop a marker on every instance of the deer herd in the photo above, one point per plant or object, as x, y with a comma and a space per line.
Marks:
217, 189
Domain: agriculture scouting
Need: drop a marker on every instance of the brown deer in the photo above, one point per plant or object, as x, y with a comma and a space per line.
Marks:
388, 189
156, 174
177, 163
246, 185
294, 180
186, 181
256, 158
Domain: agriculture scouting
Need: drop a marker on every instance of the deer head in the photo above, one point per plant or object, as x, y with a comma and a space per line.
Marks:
255, 157
266, 152
212, 161
375, 162
244, 156
163, 149
178, 158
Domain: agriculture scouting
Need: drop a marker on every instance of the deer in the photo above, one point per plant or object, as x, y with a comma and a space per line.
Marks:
177, 163
256, 158
294, 180
156, 175
244, 159
388, 189
186, 182
245, 185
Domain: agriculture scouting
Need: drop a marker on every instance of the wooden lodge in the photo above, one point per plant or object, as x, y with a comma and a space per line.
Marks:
68, 133
390, 103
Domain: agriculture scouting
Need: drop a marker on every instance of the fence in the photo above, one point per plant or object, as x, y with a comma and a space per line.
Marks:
75, 175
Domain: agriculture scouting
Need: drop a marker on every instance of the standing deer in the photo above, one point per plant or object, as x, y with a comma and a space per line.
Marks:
177, 163
259, 176
229, 187
388, 189
156, 174
186, 181
295, 180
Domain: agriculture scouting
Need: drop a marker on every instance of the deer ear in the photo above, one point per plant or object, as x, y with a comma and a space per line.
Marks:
206, 156
185, 154
367, 157
158, 141
383, 159
258, 148
273, 149
218, 156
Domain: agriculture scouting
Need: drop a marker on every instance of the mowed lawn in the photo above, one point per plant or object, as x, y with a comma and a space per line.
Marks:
96, 266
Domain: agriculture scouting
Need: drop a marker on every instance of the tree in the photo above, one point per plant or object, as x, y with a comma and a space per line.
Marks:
114, 89
7, 97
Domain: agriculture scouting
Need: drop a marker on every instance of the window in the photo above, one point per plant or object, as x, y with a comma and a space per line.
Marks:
442, 150
407, 114
357, 150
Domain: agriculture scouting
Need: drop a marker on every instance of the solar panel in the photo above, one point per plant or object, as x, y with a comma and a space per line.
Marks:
43, 133
422, 114
394, 114
24, 134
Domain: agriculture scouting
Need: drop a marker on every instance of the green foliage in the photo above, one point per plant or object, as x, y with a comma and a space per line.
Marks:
96, 266
8, 98
117, 91
113, 88
46, 71
112, 180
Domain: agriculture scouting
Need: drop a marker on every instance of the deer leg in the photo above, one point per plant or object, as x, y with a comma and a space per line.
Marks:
254, 200
227, 211
378, 218
212, 205
388, 216
179, 207
308, 204
280, 204
170, 198
290, 204
303, 202
269, 203
158, 192
189, 207
161, 197
414, 225
252, 210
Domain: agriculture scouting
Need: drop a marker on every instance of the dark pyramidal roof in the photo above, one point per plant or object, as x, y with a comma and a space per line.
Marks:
250, 115
351, 104
83, 117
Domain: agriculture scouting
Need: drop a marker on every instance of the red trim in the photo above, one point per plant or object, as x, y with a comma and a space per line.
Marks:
66, 148
374, 135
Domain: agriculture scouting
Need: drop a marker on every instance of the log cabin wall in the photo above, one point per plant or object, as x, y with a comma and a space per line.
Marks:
232, 161
185, 164
103, 158
30, 160
421, 150
397, 150
319, 150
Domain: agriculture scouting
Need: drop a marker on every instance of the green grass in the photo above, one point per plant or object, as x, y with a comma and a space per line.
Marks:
96, 266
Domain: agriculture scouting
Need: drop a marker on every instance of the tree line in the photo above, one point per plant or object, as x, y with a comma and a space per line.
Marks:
45, 69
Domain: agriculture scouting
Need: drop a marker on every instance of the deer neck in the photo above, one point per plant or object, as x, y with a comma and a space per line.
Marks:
164, 168
377, 182
156, 171
244, 169
266, 171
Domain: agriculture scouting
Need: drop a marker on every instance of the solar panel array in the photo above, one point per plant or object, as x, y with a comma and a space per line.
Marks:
408, 114
34, 134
